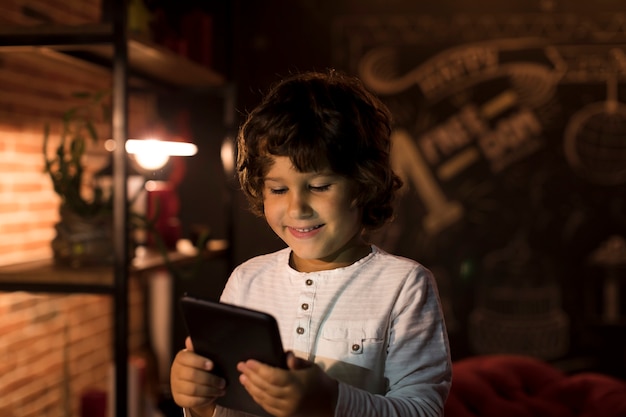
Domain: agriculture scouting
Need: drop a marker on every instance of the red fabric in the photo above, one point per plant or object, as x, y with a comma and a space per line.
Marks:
521, 386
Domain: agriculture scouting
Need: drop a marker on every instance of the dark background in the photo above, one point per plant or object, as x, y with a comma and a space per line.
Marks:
256, 43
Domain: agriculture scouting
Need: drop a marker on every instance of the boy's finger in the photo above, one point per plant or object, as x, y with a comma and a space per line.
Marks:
188, 344
193, 360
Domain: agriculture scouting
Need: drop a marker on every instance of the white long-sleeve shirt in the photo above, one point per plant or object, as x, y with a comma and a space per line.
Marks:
376, 326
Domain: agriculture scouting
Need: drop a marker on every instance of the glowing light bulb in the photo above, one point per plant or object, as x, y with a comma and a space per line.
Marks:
152, 154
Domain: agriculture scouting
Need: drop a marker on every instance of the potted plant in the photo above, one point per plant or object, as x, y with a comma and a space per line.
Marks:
83, 233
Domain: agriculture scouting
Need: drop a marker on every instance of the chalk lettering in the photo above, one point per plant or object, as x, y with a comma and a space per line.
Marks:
509, 136
455, 66
455, 133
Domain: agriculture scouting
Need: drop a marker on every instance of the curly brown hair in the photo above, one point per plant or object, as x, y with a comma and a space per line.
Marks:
322, 120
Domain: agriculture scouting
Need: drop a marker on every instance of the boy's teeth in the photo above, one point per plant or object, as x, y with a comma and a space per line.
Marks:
307, 229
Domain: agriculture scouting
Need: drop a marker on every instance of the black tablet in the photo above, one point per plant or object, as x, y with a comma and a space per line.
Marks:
229, 334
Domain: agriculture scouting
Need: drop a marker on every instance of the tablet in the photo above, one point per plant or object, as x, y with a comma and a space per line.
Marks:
229, 334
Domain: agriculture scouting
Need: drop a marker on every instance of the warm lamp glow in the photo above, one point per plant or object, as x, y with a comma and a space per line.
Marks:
151, 160
152, 154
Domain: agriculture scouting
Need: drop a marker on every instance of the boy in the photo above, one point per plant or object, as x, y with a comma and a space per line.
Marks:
363, 328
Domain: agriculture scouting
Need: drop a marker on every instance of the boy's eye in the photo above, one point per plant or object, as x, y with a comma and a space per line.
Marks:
278, 190
324, 187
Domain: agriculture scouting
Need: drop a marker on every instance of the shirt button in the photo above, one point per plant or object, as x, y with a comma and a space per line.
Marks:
305, 306
309, 282
356, 347
300, 330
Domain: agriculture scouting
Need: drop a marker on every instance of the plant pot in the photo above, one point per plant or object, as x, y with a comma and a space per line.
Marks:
83, 241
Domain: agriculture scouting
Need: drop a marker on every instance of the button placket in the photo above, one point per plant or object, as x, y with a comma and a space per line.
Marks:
305, 301
304, 313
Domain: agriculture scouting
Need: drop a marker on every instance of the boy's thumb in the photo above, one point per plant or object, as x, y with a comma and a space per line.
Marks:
188, 344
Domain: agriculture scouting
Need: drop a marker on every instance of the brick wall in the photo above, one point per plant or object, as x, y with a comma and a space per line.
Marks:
55, 347
52, 346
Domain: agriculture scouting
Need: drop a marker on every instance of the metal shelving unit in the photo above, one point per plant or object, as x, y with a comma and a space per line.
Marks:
128, 59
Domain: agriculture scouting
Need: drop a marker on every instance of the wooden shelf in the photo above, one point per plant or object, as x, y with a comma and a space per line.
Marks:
44, 276
13, 36
156, 63
94, 43
92, 48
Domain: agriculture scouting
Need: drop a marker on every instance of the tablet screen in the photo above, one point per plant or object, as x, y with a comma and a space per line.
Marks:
229, 334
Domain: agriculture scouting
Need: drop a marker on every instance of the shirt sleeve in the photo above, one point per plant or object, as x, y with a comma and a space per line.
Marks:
417, 364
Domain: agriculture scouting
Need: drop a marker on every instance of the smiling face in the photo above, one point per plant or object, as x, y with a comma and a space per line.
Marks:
315, 214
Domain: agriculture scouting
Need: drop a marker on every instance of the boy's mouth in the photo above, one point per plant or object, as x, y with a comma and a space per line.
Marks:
308, 229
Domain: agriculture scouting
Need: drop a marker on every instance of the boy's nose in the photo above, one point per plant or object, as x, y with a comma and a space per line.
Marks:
299, 206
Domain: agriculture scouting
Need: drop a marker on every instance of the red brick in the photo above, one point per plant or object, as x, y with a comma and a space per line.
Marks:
9, 207
43, 206
27, 187
31, 147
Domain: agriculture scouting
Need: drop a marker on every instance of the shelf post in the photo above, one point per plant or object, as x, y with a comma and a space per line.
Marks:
120, 205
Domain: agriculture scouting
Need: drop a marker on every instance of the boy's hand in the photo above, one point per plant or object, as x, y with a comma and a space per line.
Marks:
193, 386
302, 390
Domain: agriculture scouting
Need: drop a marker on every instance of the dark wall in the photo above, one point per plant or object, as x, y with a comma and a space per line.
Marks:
528, 226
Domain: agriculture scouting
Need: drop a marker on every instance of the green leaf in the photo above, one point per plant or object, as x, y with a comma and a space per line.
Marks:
92, 130
69, 115
66, 167
81, 94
